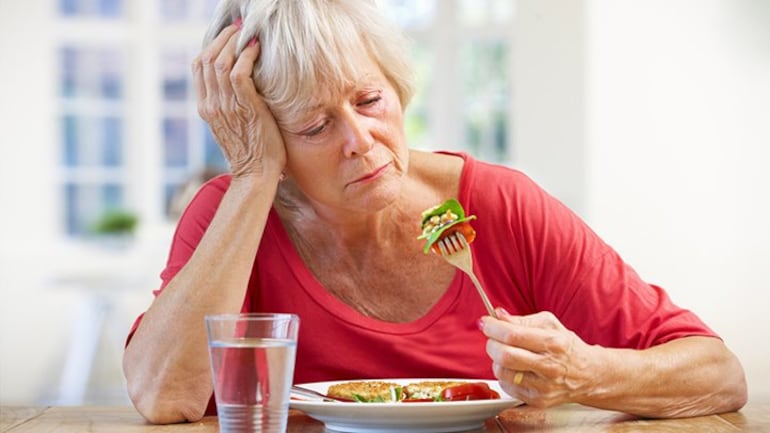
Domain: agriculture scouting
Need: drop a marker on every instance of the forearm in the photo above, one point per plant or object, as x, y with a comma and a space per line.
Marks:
685, 377
166, 363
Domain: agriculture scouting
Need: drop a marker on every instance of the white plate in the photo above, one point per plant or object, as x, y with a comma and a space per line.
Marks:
423, 417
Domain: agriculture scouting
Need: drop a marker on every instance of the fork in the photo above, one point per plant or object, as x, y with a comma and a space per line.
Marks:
305, 392
455, 249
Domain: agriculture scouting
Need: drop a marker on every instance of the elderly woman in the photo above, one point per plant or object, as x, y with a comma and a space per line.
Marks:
320, 214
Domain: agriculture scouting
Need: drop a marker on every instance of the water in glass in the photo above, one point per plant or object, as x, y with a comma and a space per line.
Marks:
253, 396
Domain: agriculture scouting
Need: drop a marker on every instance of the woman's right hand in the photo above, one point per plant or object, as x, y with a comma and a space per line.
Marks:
228, 101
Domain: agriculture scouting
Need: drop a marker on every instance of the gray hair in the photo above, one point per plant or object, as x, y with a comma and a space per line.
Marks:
307, 42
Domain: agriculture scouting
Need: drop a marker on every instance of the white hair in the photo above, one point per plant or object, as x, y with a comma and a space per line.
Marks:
311, 46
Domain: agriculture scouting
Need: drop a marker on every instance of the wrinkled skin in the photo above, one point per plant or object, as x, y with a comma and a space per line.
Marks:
700, 374
228, 101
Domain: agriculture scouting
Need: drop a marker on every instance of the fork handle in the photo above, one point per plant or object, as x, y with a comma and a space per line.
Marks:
483, 294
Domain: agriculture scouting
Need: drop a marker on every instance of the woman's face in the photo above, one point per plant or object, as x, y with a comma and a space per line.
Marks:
348, 150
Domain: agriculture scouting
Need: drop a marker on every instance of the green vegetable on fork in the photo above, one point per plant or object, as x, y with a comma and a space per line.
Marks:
442, 220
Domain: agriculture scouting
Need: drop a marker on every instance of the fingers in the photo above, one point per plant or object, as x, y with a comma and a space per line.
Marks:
536, 343
238, 117
222, 68
244, 65
539, 333
550, 365
537, 359
240, 78
543, 319
531, 389
222, 78
203, 74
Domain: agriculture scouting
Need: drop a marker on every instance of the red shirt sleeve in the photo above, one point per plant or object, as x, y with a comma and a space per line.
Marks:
556, 263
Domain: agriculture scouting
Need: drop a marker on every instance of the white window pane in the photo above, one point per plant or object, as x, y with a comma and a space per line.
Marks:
486, 91
208, 8
86, 202
92, 141
97, 8
410, 13
91, 73
109, 66
479, 13
69, 7
110, 8
175, 142
417, 113
174, 10
175, 70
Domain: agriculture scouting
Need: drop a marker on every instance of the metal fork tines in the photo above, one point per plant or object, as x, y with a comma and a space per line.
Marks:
305, 392
455, 249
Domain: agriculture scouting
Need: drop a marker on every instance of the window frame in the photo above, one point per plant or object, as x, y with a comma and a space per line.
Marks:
143, 36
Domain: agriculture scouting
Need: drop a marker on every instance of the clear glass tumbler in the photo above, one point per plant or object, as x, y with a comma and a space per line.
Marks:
252, 364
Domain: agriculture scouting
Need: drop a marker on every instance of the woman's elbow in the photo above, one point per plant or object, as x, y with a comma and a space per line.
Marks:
738, 388
730, 391
161, 408
159, 400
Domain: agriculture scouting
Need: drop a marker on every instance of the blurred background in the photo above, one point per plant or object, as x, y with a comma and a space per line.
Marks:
650, 119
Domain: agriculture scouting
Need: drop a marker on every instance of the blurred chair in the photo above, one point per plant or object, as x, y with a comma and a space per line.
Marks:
187, 190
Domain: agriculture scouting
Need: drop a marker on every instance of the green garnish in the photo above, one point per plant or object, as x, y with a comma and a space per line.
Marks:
396, 394
438, 219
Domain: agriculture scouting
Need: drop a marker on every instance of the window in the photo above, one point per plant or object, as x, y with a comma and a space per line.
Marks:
187, 10
461, 54
92, 130
189, 148
134, 150
94, 8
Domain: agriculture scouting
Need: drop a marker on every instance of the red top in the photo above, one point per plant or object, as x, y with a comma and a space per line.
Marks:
531, 254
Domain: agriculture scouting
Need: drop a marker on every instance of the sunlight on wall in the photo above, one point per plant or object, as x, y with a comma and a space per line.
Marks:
679, 133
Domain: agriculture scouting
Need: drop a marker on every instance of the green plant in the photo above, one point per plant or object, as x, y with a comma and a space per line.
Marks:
116, 221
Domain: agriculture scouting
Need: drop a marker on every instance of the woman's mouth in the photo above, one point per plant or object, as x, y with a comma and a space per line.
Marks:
373, 175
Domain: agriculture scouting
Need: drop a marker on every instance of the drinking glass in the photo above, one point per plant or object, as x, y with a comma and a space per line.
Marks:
252, 364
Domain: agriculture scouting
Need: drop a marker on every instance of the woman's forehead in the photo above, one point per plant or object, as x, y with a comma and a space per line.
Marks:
327, 90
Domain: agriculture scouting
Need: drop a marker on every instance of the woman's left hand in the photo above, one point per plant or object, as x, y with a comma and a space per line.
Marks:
538, 360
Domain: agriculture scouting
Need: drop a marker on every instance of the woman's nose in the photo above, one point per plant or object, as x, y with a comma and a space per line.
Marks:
358, 139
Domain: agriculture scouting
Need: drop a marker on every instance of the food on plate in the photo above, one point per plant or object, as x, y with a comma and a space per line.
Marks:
468, 391
367, 391
442, 220
375, 391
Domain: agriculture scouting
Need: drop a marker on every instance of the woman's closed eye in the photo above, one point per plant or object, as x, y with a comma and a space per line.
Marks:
316, 129
370, 101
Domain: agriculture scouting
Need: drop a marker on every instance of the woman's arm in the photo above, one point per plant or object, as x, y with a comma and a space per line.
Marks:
689, 376
166, 363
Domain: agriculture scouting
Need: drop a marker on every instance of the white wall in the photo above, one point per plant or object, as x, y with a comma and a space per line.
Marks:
666, 150
679, 133
549, 94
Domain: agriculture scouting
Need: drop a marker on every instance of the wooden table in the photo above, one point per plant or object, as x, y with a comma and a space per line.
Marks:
755, 417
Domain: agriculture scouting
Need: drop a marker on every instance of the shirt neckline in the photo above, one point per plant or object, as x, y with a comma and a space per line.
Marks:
343, 312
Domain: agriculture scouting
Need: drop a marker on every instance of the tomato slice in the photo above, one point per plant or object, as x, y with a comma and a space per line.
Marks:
469, 391
464, 228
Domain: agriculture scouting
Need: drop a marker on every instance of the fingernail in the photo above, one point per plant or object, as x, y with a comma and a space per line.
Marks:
253, 41
480, 324
238, 22
502, 312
